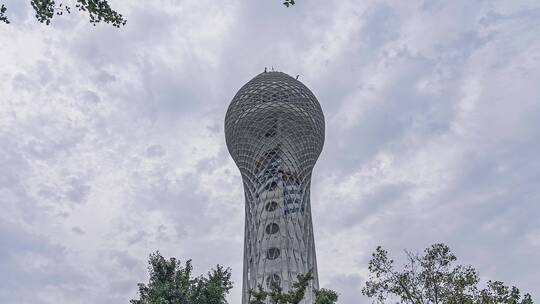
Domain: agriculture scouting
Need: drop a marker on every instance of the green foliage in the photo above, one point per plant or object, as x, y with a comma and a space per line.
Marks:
432, 279
172, 283
325, 296
295, 295
3, 17
497, 292
98, 11
259, 296
288, 3
45, 10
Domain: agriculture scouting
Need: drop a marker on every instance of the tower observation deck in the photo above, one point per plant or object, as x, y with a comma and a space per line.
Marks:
274, 129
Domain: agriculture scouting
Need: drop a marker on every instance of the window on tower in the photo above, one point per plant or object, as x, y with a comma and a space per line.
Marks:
273, 279
271, 206
273, 253
272, 228
271, 186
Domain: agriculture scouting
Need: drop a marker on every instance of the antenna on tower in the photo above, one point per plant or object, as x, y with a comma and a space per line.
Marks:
265, 69
297, 76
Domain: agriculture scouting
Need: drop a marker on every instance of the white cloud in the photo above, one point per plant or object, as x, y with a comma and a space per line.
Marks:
113, 145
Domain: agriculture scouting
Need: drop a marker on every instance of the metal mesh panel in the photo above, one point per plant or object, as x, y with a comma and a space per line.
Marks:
274, 130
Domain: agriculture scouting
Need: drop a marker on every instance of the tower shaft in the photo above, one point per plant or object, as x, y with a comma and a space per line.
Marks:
275, 133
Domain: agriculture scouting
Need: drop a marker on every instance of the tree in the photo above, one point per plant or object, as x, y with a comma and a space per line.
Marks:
172, 283
325, 296
295, 295
433, 279
98, 11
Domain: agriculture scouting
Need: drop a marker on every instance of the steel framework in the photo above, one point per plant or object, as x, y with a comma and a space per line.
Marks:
274, 129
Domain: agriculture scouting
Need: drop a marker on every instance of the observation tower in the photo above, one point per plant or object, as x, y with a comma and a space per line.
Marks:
274, 129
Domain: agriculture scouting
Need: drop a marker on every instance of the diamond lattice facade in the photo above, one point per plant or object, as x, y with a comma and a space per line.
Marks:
274, 130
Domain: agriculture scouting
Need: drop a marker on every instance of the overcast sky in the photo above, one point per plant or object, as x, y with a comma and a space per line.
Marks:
112, 143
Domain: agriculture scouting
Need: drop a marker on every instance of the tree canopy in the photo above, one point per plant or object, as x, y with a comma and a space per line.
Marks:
171, 282
432, 278
97, 10
295, 295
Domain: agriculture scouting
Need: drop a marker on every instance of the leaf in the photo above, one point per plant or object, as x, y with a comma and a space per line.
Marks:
433, 277
171, 282
3, 17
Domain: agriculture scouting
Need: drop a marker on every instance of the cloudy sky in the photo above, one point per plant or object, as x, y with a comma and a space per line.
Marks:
112, 142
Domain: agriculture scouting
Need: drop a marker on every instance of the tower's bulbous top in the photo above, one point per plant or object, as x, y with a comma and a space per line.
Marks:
274, 113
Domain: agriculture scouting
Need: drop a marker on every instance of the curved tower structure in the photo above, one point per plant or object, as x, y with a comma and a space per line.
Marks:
274, 130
